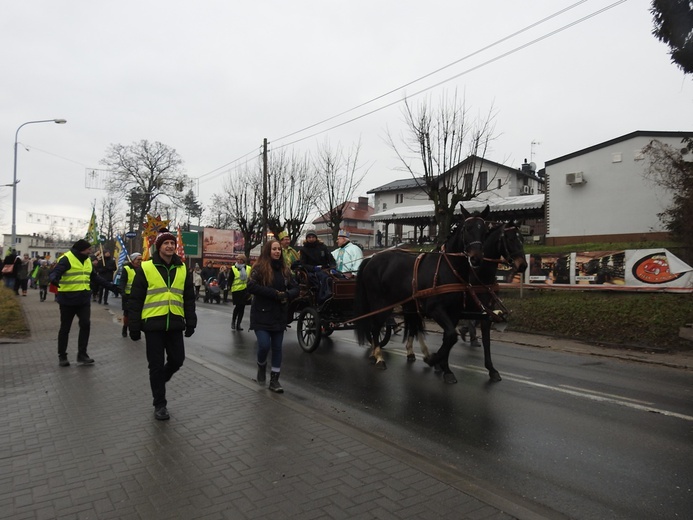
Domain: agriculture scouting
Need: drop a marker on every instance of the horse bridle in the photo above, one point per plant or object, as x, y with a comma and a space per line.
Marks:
464, 233
506, 256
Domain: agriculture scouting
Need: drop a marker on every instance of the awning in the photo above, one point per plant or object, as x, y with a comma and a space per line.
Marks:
498, 205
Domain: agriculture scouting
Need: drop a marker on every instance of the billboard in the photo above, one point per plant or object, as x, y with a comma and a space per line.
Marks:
653, 268
221, 245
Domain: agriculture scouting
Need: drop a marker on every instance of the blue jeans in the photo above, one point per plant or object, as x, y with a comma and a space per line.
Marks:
270, 340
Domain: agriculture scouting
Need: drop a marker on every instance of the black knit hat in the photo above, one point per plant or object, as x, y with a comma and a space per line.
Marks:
81, 245
163, 237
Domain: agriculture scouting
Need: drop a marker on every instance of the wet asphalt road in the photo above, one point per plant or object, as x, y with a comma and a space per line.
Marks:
591, 439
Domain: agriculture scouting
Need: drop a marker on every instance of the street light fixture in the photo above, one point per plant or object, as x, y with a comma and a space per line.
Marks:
15, 181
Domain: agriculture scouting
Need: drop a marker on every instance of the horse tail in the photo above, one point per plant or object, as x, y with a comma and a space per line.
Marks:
413, 323
361, 304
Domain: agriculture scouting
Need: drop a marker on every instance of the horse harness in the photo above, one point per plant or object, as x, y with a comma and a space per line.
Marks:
462, 285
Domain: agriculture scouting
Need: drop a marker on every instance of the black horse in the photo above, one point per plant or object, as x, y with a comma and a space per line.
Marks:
398, 278
480, 301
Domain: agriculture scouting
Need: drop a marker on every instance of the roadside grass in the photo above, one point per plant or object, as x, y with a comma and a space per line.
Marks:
12, 321
650, 320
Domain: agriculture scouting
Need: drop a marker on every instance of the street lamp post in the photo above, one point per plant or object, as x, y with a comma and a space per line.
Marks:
14, 181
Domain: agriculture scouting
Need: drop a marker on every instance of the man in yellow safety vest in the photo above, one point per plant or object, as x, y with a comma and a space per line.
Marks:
162, 305
125, 284
72, 277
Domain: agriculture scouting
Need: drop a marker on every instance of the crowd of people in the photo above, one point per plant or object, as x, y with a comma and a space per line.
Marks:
159, 296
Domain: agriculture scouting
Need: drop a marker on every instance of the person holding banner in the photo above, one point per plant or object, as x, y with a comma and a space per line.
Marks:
106, 268
72, 277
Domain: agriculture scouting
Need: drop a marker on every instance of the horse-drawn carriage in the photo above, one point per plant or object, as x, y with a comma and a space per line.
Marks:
318, 314
458, 282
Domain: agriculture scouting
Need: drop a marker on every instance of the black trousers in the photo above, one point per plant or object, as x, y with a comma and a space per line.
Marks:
67, 315
165, 355
103, 294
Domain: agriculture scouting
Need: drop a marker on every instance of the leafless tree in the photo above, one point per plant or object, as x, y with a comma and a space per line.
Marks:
218, 215
147, 173
292, 192
242, 199
339, 175
110, 218
442, 150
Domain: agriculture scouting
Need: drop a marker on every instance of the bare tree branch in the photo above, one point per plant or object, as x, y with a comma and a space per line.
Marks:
440, 141
338, 173
146, 172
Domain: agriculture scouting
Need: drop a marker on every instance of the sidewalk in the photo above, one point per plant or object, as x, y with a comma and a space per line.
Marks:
81, 442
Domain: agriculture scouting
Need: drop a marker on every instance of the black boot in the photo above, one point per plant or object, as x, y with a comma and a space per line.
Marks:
274, 383
261, 373
125, 331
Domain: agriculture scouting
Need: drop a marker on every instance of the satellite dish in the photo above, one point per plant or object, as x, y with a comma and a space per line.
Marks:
533, 166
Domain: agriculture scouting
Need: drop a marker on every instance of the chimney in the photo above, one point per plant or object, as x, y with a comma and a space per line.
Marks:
363, 202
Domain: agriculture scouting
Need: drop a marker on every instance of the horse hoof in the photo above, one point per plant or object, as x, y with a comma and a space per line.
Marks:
495, 377
411, 358
449, 379
381, 365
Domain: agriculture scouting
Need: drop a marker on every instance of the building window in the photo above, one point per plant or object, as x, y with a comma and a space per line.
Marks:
499, 184
483, 181
399, 198
384, 206
468, 181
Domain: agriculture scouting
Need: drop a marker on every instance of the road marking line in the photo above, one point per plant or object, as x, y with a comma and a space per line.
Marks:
611, 400
574, 391
614, 396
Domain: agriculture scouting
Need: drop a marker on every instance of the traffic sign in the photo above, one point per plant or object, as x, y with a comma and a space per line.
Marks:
130, 234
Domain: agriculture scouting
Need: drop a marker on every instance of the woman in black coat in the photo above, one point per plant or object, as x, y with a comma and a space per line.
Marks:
272, 287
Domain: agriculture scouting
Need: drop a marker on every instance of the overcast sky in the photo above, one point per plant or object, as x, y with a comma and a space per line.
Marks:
213, 78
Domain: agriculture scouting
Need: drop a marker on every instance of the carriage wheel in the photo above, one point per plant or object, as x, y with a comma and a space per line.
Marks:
309, 331
384, 335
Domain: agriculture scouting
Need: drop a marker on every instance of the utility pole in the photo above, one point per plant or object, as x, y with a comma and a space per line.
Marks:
264, 190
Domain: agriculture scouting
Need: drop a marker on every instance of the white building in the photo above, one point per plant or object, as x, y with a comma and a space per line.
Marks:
405, 204
36, 246
600, 194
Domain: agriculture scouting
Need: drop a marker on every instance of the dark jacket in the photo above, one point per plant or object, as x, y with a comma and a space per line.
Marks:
207, 273
43, 275
106, 268
223, 280
122, 282
138, 293
266, 311
11, 259
316, 253
76, 298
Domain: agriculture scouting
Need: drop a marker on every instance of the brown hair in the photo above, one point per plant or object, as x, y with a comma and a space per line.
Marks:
262, 270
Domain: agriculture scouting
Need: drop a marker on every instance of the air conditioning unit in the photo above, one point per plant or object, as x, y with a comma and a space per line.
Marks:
574, 178
526, 190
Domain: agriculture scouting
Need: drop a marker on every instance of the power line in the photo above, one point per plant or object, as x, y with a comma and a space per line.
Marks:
30, 147
479, 51
487, 62
225, 165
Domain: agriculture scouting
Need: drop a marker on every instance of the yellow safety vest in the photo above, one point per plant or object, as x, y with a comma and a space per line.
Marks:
162, 299
238, 284
77, 277
131, 277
